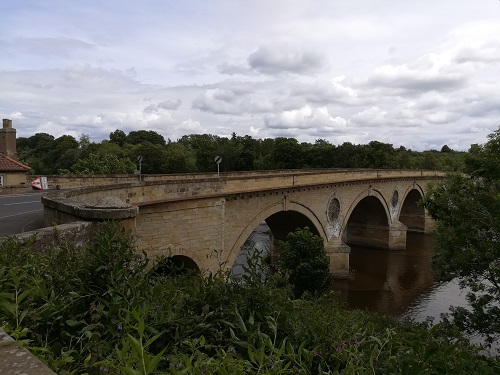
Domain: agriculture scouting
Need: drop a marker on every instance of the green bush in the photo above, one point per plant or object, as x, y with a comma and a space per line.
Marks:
303, 256
104, 314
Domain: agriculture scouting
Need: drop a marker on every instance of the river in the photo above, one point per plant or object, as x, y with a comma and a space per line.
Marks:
396, 283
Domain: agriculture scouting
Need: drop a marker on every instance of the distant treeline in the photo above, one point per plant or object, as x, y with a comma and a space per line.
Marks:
46, 154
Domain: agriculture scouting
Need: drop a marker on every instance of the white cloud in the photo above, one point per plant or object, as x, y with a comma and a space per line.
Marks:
484, 53
49, 47
190, 126
429, 73
308, 119
440, 117
217, 101
234, 69
233, 99
164, 105
370, 116
419, 74
284, 59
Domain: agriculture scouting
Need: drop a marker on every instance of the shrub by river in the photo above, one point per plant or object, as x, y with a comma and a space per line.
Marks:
99, 311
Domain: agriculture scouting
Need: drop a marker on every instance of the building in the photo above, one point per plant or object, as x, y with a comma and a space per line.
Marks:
12, 172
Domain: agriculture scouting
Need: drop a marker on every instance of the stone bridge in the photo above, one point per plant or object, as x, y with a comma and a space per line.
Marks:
203, 220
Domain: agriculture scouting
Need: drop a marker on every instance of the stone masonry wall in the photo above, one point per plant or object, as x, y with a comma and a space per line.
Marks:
191, 228
209, 219
211, 230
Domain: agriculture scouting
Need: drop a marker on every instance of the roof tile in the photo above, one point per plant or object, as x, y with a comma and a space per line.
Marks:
10, 165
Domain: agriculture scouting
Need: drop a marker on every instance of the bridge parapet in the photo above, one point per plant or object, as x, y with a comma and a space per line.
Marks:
167, 188
291, 179
15, 359
74, 181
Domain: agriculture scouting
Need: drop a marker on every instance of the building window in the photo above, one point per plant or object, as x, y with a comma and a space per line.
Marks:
1, 180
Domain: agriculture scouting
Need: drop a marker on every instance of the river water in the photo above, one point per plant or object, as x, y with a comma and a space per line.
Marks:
396, 283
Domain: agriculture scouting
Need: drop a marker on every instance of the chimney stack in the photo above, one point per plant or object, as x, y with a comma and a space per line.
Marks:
8, 139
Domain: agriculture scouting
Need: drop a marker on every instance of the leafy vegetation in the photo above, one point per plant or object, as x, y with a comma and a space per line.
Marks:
97, 310
103, 164
467, 210
196, 153
303, 255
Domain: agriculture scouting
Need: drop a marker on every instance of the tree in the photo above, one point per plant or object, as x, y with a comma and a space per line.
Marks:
286, 153
103, 164
379, 155
303, 256
319, 155
84, 142
467, 213
484, 161
63, 154
153, 155
179, 159
348, 155
142, 136
403, 157
118, 136
205, 147
111, 148
33, 151
446, 149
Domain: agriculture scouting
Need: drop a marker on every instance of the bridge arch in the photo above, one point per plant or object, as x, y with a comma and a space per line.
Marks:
367, 221
175, 255
411, 213
175, 264
298, 213
364, 194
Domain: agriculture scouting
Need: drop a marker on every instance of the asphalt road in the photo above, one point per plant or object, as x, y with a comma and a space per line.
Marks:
20, 213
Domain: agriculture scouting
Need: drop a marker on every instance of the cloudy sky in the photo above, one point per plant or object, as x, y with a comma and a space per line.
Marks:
415, 73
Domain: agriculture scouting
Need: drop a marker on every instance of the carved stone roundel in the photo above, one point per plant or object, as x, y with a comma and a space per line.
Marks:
333, 210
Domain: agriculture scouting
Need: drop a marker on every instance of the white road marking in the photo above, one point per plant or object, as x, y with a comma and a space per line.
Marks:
22, 213
11, 204
6, 196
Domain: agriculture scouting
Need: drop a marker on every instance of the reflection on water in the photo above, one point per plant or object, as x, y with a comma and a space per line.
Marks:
389, 282
401, 284
437, 301
260, 240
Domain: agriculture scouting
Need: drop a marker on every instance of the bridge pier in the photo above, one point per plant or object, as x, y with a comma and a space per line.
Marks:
418, 222
430, 224
397, 236
338, 253
391, 237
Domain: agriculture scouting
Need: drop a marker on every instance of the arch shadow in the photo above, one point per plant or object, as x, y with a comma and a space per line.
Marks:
367, 220
177, 256
411, 213
174, 265
366, 193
